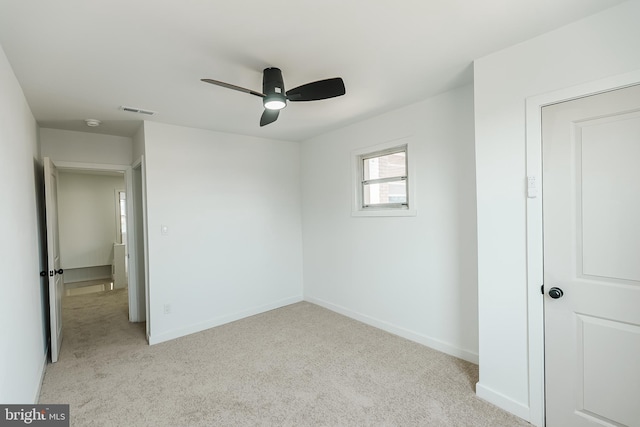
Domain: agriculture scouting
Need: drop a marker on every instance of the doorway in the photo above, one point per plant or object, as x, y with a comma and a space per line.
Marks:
137, 291
92, 223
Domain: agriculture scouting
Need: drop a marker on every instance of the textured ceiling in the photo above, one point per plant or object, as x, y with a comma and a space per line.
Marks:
78, 59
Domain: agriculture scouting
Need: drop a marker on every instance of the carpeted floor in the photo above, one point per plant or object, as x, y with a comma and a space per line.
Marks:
300, 365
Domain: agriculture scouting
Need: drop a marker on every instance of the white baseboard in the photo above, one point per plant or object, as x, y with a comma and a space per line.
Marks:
217, 321
396, 330
500, 400
43, 370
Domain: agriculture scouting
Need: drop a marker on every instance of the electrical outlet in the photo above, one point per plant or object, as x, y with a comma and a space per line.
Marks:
167, 309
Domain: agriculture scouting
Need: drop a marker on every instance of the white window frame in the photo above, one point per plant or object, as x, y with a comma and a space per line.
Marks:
117, 192
391, 209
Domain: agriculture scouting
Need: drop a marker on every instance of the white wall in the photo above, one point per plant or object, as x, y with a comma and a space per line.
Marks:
414, 276
231, 205
602, 45
22, 301
84, 147
87, 218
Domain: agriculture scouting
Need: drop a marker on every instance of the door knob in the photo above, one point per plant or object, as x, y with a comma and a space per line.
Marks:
60, 271
555, 293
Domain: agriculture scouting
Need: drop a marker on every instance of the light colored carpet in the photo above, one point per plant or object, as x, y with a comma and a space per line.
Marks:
300, 365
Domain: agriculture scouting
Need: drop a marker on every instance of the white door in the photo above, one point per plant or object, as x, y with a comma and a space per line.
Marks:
56, 284
591, 214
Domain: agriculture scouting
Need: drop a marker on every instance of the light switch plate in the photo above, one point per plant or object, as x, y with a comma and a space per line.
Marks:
532, 187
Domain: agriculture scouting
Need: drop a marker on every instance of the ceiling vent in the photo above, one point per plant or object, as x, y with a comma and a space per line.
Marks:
137, 110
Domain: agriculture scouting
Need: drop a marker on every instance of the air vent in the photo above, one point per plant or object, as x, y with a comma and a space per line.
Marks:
137, 110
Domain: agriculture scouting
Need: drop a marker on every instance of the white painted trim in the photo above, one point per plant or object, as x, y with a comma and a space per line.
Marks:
427, 341
141, 163
535, 270
132, 253
43, 370
500, 400
218, 321
76, 166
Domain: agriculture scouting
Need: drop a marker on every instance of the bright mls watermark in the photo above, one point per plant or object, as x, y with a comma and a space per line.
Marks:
34, 415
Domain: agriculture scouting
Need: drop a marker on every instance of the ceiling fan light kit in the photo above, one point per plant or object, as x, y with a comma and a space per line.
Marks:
274, 97
274, 102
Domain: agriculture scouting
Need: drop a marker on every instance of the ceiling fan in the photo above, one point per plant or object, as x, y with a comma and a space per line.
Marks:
274, 97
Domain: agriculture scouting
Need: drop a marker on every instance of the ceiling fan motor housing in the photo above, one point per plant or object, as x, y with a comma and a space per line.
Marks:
273, 88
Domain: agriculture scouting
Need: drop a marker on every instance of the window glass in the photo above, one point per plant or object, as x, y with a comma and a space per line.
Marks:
386, 166
385, 193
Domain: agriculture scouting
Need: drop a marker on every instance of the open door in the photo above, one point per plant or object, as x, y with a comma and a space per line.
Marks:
56, 284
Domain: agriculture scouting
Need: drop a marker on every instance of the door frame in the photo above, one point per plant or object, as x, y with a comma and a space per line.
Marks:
134, 312
535, 268
143, 260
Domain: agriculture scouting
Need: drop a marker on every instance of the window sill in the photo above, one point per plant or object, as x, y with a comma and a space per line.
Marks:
383, 212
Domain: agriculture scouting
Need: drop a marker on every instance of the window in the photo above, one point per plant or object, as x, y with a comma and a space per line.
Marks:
121, 216
382, 181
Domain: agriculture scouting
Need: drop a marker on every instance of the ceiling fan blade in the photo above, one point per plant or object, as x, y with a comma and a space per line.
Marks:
269, 116
315, 91
234, 87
